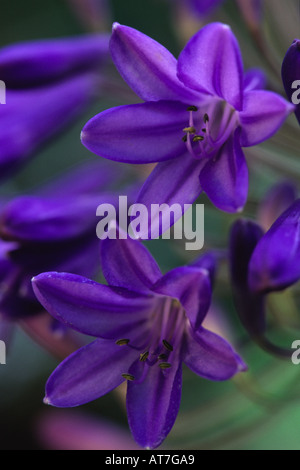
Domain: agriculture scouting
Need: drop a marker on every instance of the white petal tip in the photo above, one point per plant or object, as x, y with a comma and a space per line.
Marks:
46, 401
115, 26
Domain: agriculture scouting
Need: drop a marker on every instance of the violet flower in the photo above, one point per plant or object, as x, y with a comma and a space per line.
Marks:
204, 7
54, 229
198, 113
291, 75
148, 323
48, 82
261, 264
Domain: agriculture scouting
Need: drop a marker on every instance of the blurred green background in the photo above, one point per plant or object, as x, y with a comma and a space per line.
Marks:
258, 410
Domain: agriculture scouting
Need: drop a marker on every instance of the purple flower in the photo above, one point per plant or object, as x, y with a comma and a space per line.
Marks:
291, 75
54, 229
274, 264
261, 264
198, 113
49, 82
204, 7
148, 323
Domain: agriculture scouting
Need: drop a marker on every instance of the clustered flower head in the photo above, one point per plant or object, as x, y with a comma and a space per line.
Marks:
192, 117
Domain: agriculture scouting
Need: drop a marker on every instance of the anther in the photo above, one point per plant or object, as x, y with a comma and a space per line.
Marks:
167, 345
205, 118
122, 342
165, 365
192, 108
128, 377
184, 138
162, 357
144, 356
198, 138
189, 130
175, 303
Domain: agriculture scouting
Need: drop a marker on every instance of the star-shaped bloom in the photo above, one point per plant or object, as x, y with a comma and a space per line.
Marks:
146, 325
198, 113
48, 84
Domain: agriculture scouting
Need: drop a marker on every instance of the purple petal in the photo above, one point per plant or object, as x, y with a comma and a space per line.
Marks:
31, 117
128, 264
153, 405
211, 63
275, 261
148, 68
263, 114
30, 218
192, 287
88, 374
208, 261
204, 7
291, 74
139, 133
250, 306
225, 177
211, 357
172, 182
38, 62
254, 79
92, 308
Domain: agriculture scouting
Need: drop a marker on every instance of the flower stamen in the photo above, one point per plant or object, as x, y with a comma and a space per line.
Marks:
144, 356
128, 377
167, 345
165, 365
122, 342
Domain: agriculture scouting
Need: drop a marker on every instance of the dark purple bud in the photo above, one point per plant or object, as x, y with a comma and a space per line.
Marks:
291, 75
244, 237
275, 263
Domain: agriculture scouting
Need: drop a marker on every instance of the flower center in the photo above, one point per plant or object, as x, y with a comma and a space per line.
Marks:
208, 131
162, 345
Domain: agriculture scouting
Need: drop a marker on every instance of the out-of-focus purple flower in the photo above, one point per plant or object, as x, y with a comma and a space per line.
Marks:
291, 75
250, 306
261, 264
93, 14
148, 324
55, 229
198, 113
70, 430
48, 83
204, 7
274, 264
277, 200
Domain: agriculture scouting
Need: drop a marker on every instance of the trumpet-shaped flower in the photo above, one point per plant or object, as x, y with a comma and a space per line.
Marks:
148, 323
198, 113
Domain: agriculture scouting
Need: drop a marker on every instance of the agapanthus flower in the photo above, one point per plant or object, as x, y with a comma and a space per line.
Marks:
146, 325
52, 229
48, 83
291, 75
262, 263
198, 113
203, 7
